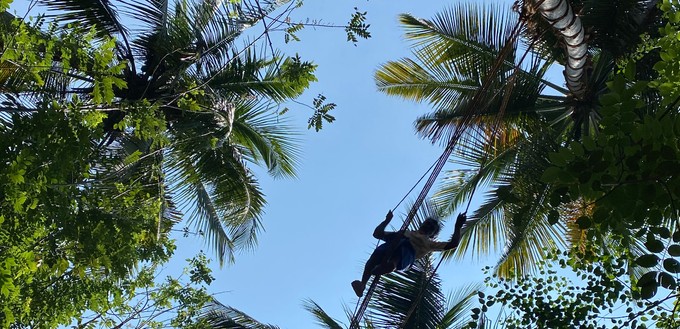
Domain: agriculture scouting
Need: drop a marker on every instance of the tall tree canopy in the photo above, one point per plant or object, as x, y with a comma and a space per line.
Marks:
120, 119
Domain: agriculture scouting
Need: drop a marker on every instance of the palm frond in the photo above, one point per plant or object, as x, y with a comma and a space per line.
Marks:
529, 235
152, 14
438, 85
219, 316
468, 33
459, 304
249, 72
399, 291
205, 215
485, 229
322, 318
486, 158
266, 138
228, 199
453, 52
101, 14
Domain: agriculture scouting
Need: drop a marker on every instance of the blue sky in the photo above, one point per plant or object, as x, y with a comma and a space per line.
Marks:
318, 227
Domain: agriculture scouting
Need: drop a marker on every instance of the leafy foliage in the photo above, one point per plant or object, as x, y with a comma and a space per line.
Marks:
143, 300
617, 193
600, 298
357, 26
102, 154
321, 113
626, 174
178, 100
595, 175
68, 232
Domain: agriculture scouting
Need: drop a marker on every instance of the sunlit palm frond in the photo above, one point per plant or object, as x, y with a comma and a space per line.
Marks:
459, 304
512, 93
212, 177
527, 229
529, 237
511, 168
248, 73
467, 33
485, 229
398, 292
322, 318
454, 54
574, 235
486, 157
438, 85
218, 316
266, 138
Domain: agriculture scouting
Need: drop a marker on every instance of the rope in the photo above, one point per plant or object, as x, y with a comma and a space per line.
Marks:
414, 186
497, 122
439, 164
421, 197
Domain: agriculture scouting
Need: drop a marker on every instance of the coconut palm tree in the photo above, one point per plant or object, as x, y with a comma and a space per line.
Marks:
489, 66
211, 103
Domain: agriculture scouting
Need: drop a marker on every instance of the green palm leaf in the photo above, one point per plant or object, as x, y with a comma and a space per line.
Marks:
397, 293
528, 240
248, 72
459, 304
227, 197
266, 139
322, 318
218, 316
469, 34
102, 14
208, 166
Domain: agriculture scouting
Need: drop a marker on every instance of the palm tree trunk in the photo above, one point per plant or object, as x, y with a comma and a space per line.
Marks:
561, 16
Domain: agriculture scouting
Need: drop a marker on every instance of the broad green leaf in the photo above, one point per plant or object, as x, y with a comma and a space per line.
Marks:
671, 265
674, 250
649, 260
667, 281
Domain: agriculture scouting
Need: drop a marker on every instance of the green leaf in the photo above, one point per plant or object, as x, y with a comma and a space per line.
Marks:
647, 292
584, 222
600, 215
609, 99
649, 260
654, 217
654, 245
671, 265
551, 174
576, 148
648, 284
553, 217
674, 250
5, 289
667, 281
557, 159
